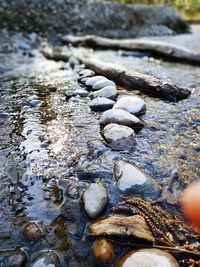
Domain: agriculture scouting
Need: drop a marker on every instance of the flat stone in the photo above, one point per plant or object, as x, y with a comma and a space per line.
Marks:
147, 258
101, 104
95, 199
102, 83
35, 103
130, 177
131, 104
91, 81
119, 137
119, 116
46, 259
13, 258
109, 92
81, 92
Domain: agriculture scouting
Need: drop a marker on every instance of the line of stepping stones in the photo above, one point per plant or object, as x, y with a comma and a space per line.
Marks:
119, 118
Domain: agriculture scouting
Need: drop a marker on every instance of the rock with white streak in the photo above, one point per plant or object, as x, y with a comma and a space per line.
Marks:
95, 199
120, 117
131, 104
130, 177
109, 92
119, 137
91, 81
101, 104
102, 83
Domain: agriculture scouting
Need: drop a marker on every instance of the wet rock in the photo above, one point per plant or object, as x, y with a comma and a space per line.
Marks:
72, 191
69, 94
32, 231
35, 103
46, 259
52, 89
103, 251
81, 92
12, 258
101, 104
71, 210
109, 92
102, 83
95, 199
119, 137
24, 46
147, 258
130, 177
122, 226
131, 104
91, 81
86, 73
119, 116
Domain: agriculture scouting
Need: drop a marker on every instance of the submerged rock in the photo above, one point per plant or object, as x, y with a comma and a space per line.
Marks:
71, 210
12, 258
103, 250
102, 83
91, 81
131, 104
120, 117
119, 137
147, 258
130, 177
46, 259
95, 199
122, 226
109, 92
32, 231
101, 104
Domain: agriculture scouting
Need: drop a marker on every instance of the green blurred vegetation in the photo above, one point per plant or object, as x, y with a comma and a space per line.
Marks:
190, 9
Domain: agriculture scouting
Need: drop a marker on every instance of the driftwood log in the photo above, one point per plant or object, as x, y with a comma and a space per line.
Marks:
122, 226
120, 74
146, 45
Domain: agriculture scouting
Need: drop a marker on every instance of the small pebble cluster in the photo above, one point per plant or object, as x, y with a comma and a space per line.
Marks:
118, 120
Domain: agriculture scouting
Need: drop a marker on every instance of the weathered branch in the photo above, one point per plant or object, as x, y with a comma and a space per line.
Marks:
156, 47
120, 74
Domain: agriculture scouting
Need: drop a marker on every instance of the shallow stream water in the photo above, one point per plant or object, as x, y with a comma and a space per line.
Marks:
50, 147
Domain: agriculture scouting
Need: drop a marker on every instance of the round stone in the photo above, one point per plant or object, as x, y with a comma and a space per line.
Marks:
109, 92
102, 83
101, 104
131, 104
91, 81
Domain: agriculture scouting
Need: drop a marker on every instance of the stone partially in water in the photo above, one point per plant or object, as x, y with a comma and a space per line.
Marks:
91, 81
131, 104
103, 83
130, 177
86, 73
95, 199
119, 137
103, 250
120, 117
46, 259
109, 92
147, 258
32, 231
35, 103
122, 226
13, 258
69, 94
101, 104
81, 92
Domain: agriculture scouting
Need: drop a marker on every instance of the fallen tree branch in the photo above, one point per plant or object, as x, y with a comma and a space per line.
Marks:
120, 74
156, 47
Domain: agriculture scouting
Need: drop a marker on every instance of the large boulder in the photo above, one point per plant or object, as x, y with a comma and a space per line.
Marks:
82, 17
